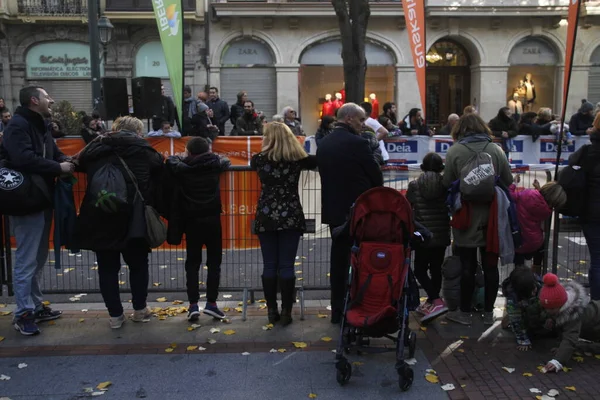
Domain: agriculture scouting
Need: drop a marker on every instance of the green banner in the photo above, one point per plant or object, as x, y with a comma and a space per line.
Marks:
169, 18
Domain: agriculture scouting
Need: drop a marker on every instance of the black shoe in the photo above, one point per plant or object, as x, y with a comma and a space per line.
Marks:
273, 315
26, 325
270, 290
286, 316
288, 299
47, 314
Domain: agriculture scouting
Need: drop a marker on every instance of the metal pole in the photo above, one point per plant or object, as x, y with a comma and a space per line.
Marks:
93, 10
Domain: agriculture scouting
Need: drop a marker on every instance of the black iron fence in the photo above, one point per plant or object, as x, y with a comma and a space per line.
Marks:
52, 7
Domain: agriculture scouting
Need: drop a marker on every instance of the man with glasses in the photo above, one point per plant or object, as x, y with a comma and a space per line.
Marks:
290, 118
347, 168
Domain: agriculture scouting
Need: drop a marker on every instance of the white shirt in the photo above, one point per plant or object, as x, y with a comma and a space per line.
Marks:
160, 133
373, 124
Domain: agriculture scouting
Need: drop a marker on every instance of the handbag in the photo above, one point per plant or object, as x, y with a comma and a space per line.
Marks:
156, 229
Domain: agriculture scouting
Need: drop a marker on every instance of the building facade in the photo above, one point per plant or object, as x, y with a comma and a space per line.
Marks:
46, 43
288, 52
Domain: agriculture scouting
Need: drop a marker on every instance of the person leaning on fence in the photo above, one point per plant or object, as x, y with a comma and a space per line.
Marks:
470, 223
347, 169
28, 147
109, 222
195, 209
279, 219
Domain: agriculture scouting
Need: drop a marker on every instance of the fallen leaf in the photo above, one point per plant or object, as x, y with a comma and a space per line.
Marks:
448, 387
571, 388
1, 338
94, 268
321, 315
161, 299
156, 284
411, 361
262, 301
66, 270
567, 369
299, 345
540, 368
81, 320
229, 332
527, 374
22, 365
163, 266
5, 313
326, 339
215, 330
463, 386
328, 275
553, 392
262, 307
431, 371
299, 279
312, 396
239, 309
173, 345
179, 258
211, 341
200, 348
357, 363
88, 390
267, 327
245, 353
45, 302
104, 385
509, 370
424, 329
464, 337
52, 323
205, 267
121, 282
578, 359
534, 390
582, 262
597, 356
168, 350
281, 350
177, 302
191, 348
297, 264
226, 309
4, 377
299, 272
189, 329
461, 350
432, 378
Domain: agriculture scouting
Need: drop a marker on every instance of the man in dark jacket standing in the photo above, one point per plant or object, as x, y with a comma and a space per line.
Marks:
347, 168
220, 109
165, 111
28, 147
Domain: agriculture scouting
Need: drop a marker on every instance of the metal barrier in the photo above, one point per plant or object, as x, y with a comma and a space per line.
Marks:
242, 260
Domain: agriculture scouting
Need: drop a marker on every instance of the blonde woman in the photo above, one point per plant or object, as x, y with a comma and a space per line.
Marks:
108, 225
279, 217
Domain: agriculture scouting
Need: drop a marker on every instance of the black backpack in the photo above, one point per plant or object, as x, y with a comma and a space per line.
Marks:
573, 180
109, 189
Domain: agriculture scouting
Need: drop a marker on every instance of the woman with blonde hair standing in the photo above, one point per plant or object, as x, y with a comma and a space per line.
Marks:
279, 219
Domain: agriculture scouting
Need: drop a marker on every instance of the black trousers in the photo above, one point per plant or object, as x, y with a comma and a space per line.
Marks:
198, 233
339, 267
109, 265
491, 277
430, 260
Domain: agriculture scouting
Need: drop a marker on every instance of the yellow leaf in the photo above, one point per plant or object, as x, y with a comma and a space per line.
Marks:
567, 369
190, 329
299, 279
299, 271
464, 337
312, 396
52, 323
424, 329
81, 319
281, 350
121, 282
582, 262
179, 259
597, 356
326, 339
527, 374
5, 313
238, 309
267, 327
205, 267
432, 378
578, 359
161, 299
94, 268
173, 345
191, 348
538, 397
299, 345
540, 368
357, 363
571, 388
328, 275
229, 332
104, 385
1, 338
177, 302
46, 303
156, 284
168, 350
262, 301
226, 309
461, 350
463, 386
321, 315
262, 307
297, 263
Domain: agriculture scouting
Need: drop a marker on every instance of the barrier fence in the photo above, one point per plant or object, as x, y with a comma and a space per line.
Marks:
242, 260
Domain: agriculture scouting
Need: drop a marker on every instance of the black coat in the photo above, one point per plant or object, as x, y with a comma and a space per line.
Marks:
220, 113
348, 169
165, 111
503, 123
591, 166
580, 123
199, 126
252, 126
237, 110
97, 230
427, 195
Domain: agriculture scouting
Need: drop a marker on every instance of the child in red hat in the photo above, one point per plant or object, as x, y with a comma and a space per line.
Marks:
574, 315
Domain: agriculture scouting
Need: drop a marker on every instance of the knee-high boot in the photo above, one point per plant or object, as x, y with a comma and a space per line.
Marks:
270, 290
288, 299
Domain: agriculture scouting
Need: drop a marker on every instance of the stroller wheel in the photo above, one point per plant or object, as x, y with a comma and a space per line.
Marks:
405, 377
412, 344
344, 372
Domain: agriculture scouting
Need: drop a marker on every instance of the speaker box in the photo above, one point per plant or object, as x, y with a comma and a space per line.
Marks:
145, 94
114, 98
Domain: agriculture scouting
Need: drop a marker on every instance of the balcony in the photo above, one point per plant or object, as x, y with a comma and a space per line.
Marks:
141, 5
142, 10
52, 9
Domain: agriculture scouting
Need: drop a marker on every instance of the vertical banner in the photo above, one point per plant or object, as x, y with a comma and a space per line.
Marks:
169, 18
414, 14
573, 21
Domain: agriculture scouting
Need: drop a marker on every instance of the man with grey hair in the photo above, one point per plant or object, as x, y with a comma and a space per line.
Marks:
347, 168
290, 118
447, 129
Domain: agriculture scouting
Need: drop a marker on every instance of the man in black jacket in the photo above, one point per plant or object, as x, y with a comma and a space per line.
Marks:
220, 109
196, 209
347, 168
28, 147
165, 111
250, 123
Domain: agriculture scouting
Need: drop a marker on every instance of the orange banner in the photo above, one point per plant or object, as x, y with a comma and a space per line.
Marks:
414, 14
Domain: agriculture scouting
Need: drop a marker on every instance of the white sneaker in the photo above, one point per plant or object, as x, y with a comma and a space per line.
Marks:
141, 315
116, 322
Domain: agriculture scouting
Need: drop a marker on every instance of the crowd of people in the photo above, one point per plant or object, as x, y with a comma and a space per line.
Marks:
471, 198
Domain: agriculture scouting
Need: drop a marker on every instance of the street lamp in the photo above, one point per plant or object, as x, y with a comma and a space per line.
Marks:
105, 29
100, 31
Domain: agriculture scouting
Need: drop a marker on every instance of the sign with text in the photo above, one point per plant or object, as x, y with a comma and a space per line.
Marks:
404, 150
59, 60
150, 61
414, 14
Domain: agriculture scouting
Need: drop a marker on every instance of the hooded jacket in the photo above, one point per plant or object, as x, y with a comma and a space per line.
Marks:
578, 318
532, 211
97, 230
502, 123
427, 195
580, 123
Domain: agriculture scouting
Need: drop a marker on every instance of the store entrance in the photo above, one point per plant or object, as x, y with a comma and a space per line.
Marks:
448, 82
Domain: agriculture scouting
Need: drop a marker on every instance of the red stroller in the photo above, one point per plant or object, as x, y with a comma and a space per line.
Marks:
377, 302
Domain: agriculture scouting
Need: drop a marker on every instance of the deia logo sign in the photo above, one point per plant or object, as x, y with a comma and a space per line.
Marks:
402, 146
550, 146
168, 18
442, 146
517, 146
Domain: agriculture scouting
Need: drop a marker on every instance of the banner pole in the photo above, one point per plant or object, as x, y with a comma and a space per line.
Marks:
183, 65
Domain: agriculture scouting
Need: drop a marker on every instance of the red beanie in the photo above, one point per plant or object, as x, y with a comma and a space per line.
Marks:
553, 294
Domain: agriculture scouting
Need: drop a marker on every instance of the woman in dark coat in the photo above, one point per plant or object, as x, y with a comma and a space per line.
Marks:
504, 126
325, 128
111, 228
581, 122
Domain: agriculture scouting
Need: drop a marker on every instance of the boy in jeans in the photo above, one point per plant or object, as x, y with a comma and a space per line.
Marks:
198, 208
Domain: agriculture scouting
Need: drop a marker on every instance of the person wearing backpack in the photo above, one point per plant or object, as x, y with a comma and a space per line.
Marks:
475, 162
588, 199
108, 222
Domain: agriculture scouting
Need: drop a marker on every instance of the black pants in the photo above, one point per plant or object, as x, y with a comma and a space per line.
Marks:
340, 264
468, 259
538, 257
203, 232
109, 265
430, 260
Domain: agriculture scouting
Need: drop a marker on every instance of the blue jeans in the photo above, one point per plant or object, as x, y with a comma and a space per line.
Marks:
32, 233
591, 231
279, 253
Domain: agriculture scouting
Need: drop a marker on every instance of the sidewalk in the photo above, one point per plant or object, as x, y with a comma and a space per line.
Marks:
154, 360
